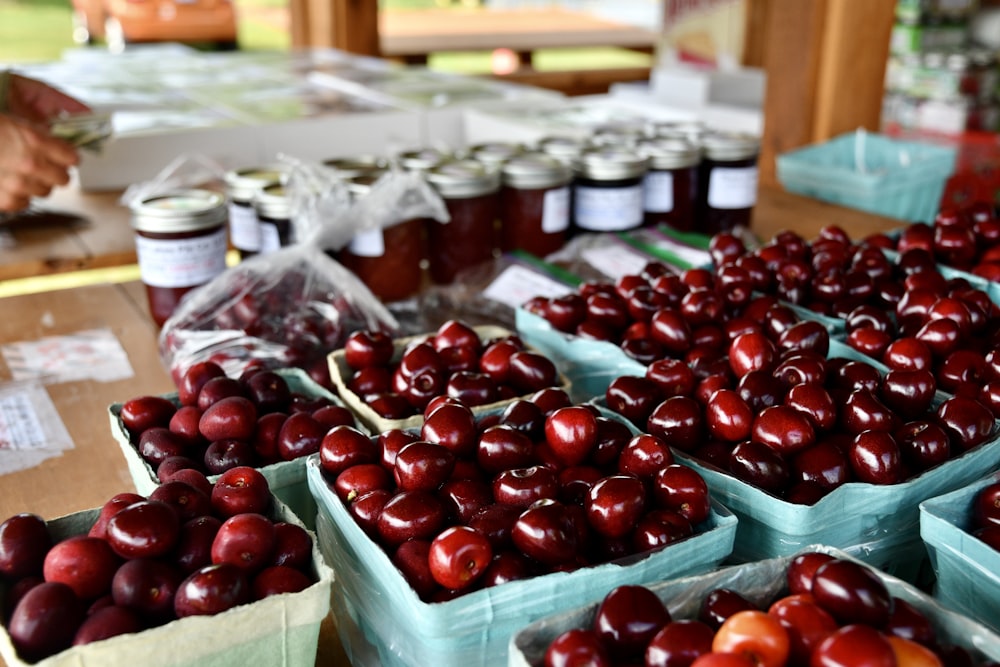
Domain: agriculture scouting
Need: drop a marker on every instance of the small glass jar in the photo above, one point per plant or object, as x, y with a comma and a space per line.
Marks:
534, 204
607, 190
670, 188
471, 194
565, 149
690, 130
241, 187
351, 167
180, 242
494, 154
389, 261
423, 159
727, 188
274, 215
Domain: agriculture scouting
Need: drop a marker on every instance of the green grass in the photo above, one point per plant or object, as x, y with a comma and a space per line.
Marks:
40, 30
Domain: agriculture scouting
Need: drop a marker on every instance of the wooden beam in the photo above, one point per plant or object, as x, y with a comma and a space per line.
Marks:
350, 25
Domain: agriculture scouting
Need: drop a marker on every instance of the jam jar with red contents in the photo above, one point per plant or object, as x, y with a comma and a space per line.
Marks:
241, 187
727, 188
607, 190
534, 203
274, 216
389, 261
180, 242
670, 188
470, 192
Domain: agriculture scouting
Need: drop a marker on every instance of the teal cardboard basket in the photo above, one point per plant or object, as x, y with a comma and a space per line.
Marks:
967, 569
872, 172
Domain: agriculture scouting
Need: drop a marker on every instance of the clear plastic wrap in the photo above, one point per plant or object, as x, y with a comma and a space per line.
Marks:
293, 306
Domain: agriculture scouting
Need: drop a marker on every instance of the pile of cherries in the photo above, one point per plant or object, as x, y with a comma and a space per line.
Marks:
782, 416
223, 422
190, 548
965, 238
834, 613
453, 361
542, 486
986, 515
659, 314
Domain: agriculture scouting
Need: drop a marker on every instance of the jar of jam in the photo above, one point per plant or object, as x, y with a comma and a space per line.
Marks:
274, 215
566, 149
534, 203
727, 188
241, 187
670, 188
607, 190
423, 159
494, 154
180, 242
389, 261
351, 167
471, 194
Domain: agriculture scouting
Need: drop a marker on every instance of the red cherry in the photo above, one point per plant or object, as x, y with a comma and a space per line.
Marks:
458, 556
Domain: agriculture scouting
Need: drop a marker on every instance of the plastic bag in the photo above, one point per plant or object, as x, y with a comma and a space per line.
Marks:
293, 306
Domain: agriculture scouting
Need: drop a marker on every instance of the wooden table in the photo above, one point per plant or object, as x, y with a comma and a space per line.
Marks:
413, 34
777, 210
71, 230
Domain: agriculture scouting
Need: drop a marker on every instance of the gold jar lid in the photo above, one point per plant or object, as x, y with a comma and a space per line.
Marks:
462, 179
533, 171
179, 211
242, 184
611, 164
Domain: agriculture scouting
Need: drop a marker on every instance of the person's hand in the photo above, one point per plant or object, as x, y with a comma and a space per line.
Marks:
32, 162
38, 102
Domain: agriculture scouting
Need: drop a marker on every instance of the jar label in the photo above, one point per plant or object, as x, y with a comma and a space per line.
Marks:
181, 262
608, 209
516, 284
614, 259
555, 210
658, 192
732, 187
370, 243
244, 228
270, 239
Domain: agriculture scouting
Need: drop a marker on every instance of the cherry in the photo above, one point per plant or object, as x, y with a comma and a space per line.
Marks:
45, 620
823, 464
211, 590
674, 377
344, 446
241, 490
107, 622
815, 402
194, 378
143, 412
502, 447
360, 479
784, 429
720, 604
454, 427
633, 397
24, 541
233, 417
614, 504
410, 515
628, 618
578, 646
85, 564
728, 417
365, 349
571, 432
758, 465
852, 593
908, 392
530, 371
423, 466
679, 421
458, 556
875, 458
643, 456
967, 422
521, 487
680, 488
145, 529
545, 531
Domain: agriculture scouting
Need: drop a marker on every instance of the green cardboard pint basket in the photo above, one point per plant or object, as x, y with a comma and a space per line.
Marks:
872, 172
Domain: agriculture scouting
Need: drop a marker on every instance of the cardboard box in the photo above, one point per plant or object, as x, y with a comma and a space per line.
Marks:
278, 630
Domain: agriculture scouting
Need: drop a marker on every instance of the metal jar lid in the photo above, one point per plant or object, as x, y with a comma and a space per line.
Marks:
179, 211
692, 130
566, 149
349, 167
242, 184
533, 171
361, 185
611, 164
461, 179
670, 153
423, 159
272, 202
730, 146
495, 153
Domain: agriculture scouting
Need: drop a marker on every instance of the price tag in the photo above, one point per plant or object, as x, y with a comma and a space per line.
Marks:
516, 284
85, 355
30, 427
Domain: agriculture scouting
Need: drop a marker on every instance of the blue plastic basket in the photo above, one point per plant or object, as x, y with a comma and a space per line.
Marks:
872, 172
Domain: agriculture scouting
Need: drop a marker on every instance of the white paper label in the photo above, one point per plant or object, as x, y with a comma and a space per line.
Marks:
30, 427
555, 210
94, 354
181, 262
270, 240
608, 209
369, 243
244, 228
615, 260
516, 284
658, 191
732, 187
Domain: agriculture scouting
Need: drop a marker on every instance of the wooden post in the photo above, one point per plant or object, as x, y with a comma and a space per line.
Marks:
825, 63
350, 25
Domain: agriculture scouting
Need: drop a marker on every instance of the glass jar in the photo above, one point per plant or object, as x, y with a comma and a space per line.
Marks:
471, 194
180, 241
351, 167
423, 159
566, 149
670, 188
241, 188
274, 216
690, 130
389, 261
534, 204
727, 188
494, 154
607, 190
